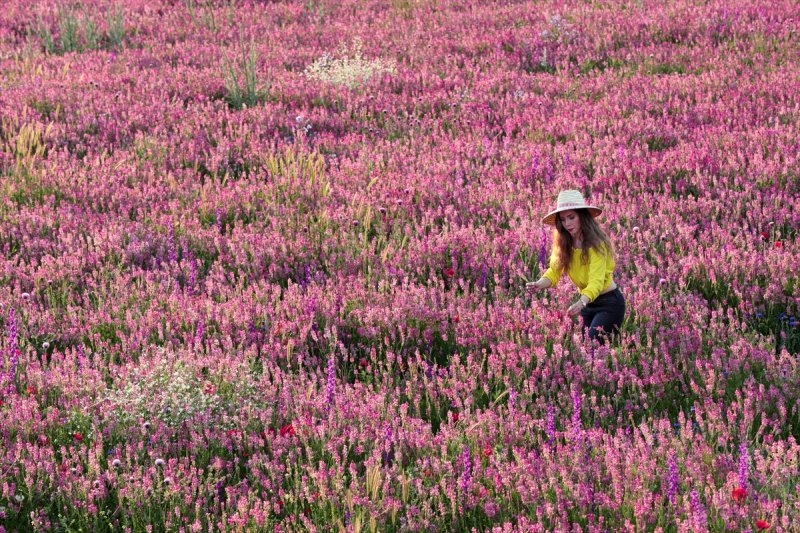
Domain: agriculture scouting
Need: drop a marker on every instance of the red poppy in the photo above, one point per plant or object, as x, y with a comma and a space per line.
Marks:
764, 235
455, 319
739, 494
778, 244
31, 391
762, 525
487, 451
287, 430
449, 272
77, 436
455, 416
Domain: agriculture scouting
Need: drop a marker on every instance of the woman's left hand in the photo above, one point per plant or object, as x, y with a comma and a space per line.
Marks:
575, 309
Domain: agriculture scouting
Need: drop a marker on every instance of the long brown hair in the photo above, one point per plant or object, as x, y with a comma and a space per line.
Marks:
563, 245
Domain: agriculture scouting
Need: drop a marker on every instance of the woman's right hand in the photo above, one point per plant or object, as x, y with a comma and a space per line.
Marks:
541, 283
533, 286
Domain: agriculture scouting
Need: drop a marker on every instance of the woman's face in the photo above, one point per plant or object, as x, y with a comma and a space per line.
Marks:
571, 222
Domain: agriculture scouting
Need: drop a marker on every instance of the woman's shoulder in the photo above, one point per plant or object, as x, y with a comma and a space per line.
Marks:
601, 249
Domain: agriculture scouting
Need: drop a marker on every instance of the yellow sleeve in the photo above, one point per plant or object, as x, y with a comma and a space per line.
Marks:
597, 274
552, 274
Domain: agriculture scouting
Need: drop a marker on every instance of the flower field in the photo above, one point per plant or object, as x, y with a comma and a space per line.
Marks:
263, 265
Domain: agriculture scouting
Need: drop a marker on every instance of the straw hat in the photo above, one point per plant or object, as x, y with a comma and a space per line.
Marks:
570, 199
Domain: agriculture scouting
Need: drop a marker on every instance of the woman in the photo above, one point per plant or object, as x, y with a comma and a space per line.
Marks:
583, 251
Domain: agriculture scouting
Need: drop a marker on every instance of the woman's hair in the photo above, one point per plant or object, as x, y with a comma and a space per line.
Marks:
593, 237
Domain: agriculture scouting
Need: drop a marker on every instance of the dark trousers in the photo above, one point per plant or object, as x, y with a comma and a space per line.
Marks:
603, 317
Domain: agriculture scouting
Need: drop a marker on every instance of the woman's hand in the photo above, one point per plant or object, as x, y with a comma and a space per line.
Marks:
575, 309
532, 286
542, 283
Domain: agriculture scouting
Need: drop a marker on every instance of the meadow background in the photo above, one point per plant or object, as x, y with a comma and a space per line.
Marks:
262, 265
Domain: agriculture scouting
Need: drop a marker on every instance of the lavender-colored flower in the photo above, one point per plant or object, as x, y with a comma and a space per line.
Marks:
13, 349
192, 275
81, 359
173, 253
310, 306
512, 398
550, 171
576, 412
484, 273
466, 470
744, 465
330, 388
672, 479
543, 250
199, 333
699, 518
550, 423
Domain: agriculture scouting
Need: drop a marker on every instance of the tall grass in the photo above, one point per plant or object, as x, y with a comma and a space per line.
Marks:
243, 87
78, 31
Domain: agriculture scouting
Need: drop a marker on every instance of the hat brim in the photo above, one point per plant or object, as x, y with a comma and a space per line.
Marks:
550, 218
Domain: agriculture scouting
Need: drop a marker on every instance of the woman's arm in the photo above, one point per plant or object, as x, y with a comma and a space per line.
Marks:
597, 275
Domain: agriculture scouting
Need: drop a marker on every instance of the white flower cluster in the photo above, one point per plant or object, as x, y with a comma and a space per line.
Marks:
558, 30
351, 69
168, 390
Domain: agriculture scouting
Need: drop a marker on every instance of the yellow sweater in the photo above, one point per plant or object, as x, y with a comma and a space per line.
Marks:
591, 278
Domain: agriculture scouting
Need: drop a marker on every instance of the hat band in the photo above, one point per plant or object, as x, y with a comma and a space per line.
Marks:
572, 204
